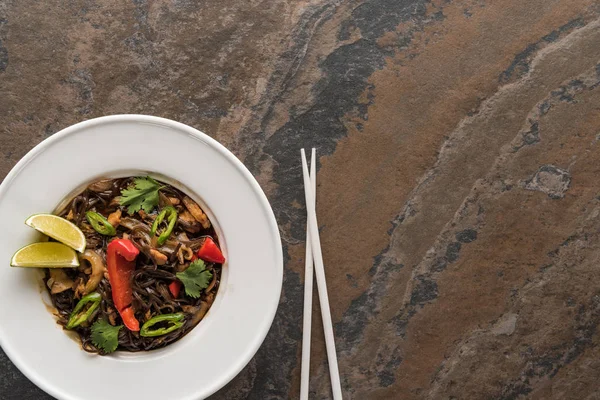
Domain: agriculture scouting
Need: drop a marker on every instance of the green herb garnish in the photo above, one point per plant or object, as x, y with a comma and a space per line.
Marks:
142, 194
195, 278
105, 336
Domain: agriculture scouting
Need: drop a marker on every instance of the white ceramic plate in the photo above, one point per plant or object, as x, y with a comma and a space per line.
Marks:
214, 351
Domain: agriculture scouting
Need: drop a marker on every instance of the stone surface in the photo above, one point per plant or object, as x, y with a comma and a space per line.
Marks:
458, 190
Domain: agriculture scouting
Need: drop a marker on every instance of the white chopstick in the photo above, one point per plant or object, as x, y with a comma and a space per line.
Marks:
308, 293
313, 229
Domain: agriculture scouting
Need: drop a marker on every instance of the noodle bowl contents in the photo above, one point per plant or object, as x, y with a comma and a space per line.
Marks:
147, 267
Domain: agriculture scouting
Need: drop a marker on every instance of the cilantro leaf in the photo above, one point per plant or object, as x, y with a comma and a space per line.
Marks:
105, 336
195, 278
142, 194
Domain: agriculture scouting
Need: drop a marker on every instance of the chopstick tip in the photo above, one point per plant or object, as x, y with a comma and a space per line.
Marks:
303, 158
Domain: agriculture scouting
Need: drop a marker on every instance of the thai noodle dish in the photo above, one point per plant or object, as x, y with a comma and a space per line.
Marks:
131, 264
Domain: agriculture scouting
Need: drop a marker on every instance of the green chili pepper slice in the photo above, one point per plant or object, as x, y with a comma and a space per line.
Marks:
79, 315
171, 214
100, 224
175, 320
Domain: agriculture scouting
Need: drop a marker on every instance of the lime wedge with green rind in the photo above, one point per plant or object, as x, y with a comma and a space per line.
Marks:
45, 255
59, 229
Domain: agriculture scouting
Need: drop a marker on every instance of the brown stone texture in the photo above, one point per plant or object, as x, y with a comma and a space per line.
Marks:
458, 181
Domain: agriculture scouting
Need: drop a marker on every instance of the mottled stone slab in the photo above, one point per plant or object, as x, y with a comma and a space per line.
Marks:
458, 189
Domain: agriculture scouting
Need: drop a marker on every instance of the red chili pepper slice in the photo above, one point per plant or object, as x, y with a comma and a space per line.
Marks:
209, 251
175, 288
120, 263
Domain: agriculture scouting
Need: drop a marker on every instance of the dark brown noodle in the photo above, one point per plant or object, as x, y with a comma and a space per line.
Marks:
151, 295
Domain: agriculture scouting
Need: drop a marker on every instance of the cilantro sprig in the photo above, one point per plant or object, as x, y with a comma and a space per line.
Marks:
105, 336
143, 194
195, 278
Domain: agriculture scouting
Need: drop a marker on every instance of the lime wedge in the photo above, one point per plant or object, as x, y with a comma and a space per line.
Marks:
59, 229
45, 255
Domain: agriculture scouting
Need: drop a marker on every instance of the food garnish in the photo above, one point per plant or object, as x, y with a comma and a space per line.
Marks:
100, 224
171, 214
120, 262
174, 321
105, 336
45, 255
195, 278
81, 314
143, 194
210, 252
175, 288
59, 229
